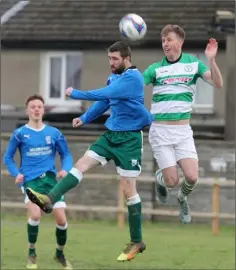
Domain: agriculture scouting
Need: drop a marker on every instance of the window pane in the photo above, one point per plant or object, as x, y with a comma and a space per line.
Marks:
73, 71
204, 92
55, 82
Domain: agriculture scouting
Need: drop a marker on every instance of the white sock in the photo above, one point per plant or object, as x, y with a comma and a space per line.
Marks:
77, 174
133, 200
161, 179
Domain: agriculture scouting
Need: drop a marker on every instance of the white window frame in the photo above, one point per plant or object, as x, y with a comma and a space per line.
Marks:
202, 108
45, 78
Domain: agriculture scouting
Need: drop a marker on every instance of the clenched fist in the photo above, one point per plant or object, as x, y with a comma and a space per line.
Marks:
61, 174
68, 91
76, 122
19, 179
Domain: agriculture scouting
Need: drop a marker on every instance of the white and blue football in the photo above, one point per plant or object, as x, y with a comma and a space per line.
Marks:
133, 27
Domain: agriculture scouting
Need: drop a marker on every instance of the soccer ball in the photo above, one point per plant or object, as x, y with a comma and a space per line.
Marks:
133, 27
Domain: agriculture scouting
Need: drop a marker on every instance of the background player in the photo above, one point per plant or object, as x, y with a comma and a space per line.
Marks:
171, 137
38, 144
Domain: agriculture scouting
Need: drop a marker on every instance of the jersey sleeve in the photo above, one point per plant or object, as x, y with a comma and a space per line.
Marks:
149, 75
114, 90
64, 152
97, 109
202, 68
8, 157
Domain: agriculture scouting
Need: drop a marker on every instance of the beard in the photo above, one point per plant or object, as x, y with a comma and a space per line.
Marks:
119, 69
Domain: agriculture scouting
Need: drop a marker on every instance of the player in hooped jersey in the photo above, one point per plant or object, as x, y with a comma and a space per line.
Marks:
171, 137
121, 142
37, 144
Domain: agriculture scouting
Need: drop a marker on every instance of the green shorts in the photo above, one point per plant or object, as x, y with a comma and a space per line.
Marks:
123, 147
43, 184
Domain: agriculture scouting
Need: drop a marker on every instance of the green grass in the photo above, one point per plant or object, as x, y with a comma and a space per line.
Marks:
96, 245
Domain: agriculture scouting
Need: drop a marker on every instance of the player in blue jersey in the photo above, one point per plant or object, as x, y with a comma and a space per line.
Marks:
38, 144
122, 142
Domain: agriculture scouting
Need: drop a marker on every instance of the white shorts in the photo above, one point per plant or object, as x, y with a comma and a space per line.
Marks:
60, 204
171, 143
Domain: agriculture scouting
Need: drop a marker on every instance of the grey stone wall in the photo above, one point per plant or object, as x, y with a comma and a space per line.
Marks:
104, 192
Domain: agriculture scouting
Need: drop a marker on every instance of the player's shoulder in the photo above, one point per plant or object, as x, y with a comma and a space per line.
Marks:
53, 130
20, 132
155, 65
133, 71
133, 75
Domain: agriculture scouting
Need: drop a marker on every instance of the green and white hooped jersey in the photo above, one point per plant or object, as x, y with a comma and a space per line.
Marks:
174, 85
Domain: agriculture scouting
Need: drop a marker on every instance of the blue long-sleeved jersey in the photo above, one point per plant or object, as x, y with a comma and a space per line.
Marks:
37, 151
124, 95
98, 108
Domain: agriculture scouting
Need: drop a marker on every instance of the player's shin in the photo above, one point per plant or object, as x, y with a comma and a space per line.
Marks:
135, 218
61, 237
32, 230
64, 185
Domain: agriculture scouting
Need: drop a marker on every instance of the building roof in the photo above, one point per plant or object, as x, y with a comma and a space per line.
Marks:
97, 20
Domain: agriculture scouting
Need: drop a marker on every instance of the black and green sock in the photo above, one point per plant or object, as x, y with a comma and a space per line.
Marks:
61, 237
185, 189
135, 218
64, 185
32, 230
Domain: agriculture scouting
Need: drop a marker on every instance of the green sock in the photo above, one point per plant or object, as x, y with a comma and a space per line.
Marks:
61, 236
64, 185
135, 218
31, 252
32, 230
185, 189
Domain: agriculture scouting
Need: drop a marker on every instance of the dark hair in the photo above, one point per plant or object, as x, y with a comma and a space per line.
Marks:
122, 47
34, 97
175, 29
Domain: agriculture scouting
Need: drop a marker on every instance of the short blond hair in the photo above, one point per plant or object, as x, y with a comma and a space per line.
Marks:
173, 28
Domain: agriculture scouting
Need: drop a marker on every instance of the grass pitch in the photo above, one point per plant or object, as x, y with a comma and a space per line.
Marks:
96, 245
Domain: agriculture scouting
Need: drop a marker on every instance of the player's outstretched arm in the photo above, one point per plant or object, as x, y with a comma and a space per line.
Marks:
64, 153
117, 90
8, 157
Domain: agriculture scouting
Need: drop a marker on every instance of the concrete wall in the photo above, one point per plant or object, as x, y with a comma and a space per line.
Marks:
20, 74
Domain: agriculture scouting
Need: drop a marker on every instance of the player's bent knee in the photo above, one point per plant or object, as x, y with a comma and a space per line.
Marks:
62, 223
191, 177
171, 177
33, 222
34, 218
60, 216
33, 211
62, 226
171, 181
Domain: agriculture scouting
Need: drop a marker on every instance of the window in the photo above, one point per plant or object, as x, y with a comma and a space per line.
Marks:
60, 70
203, 101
